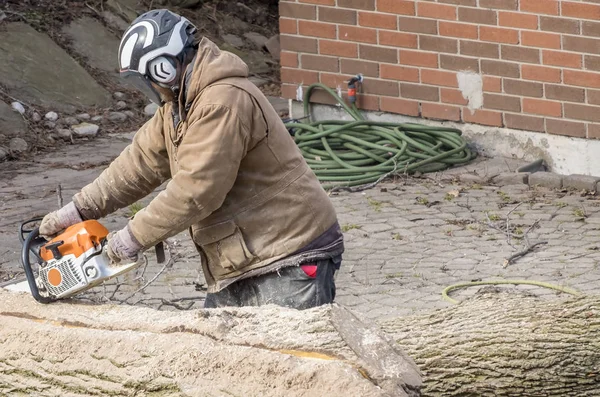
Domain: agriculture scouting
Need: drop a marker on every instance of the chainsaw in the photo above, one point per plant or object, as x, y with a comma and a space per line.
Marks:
70, 263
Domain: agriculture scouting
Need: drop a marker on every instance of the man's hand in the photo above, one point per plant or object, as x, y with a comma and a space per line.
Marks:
122, 247
57, 221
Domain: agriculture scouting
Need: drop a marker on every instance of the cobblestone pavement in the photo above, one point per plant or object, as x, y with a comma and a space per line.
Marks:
405, 241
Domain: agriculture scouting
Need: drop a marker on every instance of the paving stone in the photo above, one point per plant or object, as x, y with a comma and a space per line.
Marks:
580, 182
546, 179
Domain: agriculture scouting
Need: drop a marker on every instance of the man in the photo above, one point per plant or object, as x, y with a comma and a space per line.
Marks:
265, 229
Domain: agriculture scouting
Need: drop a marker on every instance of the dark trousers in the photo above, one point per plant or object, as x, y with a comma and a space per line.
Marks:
289, 287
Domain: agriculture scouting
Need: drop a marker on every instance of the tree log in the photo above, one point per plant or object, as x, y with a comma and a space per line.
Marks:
506, 345
74, 349
491, 345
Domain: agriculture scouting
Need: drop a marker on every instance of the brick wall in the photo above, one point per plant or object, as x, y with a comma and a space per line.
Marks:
539, 59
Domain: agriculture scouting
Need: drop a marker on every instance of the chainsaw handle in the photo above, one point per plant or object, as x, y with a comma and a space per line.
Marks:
35, 292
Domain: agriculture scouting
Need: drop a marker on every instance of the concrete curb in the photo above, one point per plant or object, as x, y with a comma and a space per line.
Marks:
545, 179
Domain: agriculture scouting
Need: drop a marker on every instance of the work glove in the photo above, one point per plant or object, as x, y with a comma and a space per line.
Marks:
59, 220
122, 247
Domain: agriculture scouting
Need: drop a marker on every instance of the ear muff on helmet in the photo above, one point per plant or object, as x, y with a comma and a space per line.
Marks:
163, 70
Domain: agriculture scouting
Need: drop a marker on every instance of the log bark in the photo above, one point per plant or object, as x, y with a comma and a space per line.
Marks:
74, 349
506, 345
491, 345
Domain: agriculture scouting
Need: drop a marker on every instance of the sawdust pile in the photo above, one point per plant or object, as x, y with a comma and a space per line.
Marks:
73, 350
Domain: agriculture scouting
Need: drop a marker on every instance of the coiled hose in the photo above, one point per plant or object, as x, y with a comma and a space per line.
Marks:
353, 153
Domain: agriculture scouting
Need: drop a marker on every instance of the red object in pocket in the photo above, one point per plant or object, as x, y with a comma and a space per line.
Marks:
310, 270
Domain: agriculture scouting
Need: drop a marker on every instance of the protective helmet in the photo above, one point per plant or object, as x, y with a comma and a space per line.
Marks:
151, 50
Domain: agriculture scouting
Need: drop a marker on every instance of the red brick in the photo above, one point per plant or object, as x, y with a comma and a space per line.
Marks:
288, 91
520, 54
479, 49
357, 4
368, 102
542, 107
398, 39
492, 84
540, 73
499, 4
289, 59
378, 53
338, 48
322, 2
560, 25
400, 106
453, 62
582, 112
417, 58
288, 26
593, 131
337, 15
363, 35
549, 7
399, 73
521, 122
417, 25
502, 102
590, 28
455, 97
419, 91
380, 87
580, 10
581, 44
453, 29
299, 76
319, 62
523, 88
439, 111
563, 127
564, 93
592, 63
317, 29
581, 79
334, 80
500, 68
470, 3
297, 11
399, 7
539, 39
439, 77
298, 44
499, 35
557, 58
593, 97
353, 67
438, 44
436, 11
377, 20
477, 15
485, 117
517, 20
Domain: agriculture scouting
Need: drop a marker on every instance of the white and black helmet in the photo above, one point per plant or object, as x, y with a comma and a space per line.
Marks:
152, 48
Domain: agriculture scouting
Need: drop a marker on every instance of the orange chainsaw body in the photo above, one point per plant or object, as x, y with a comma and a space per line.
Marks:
77, 239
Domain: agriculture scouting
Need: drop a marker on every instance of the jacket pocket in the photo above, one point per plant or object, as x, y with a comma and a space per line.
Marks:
224, 245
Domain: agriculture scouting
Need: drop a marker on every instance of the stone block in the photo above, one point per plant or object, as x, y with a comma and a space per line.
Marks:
546, 179
580, 182
511, 178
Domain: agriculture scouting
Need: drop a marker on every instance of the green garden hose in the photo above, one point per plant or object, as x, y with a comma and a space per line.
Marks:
447, 290
352, 153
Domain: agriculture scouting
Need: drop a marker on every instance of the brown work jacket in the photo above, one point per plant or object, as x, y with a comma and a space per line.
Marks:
236, 179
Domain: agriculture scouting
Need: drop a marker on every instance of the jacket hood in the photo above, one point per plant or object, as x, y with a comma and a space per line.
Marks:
212, 65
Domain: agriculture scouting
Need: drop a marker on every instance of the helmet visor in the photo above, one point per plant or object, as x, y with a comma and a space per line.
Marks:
144, 85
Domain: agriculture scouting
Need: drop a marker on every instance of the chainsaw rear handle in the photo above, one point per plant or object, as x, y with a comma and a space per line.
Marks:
27, 244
